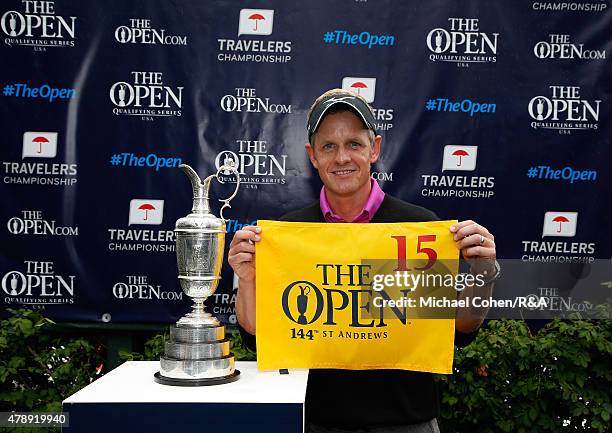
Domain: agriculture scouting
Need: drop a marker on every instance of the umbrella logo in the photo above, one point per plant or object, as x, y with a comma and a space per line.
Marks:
358, 85
460, 153
39, 145
460, 158
560, 219
146, 211
256, 18
146, 208
364, 87
255, 22
40, 140
561, 224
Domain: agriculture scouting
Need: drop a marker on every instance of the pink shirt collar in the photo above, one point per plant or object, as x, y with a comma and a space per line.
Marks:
375, 199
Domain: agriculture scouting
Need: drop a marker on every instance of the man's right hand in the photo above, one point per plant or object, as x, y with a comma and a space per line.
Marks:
241, 256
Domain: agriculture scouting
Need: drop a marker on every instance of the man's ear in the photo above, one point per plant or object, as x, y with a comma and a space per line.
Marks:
310, 150
376, 149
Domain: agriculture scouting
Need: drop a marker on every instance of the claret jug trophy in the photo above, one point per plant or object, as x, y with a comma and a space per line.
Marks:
198, 352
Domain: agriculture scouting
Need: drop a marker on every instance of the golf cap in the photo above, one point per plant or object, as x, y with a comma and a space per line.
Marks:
353, 103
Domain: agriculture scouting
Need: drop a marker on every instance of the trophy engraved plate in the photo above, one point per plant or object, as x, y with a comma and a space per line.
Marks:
198, 352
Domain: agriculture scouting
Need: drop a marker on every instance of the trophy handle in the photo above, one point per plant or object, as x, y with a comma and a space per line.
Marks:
229, 167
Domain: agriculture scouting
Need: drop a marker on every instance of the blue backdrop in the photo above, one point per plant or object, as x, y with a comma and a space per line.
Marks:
490, 110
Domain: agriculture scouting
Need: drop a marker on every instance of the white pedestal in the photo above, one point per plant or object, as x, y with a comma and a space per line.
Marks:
128, 399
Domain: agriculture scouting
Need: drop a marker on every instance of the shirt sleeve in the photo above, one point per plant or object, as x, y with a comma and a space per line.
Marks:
462, 339
249, 340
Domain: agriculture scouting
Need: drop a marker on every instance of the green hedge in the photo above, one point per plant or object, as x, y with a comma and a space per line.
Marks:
39, 367
511, 380
508, 380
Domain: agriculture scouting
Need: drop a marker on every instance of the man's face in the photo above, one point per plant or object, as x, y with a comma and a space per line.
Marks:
342, 153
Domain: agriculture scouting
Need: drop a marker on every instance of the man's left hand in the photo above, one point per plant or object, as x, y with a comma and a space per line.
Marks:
476, 243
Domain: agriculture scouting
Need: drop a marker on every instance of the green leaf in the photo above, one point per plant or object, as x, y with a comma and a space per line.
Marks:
25, 326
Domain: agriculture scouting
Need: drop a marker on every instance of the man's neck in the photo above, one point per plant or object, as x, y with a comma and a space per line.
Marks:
349, 207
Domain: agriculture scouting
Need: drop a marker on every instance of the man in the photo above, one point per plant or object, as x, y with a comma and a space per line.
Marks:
342, 147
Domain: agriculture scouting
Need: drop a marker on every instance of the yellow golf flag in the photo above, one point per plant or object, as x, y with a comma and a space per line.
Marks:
348, 295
